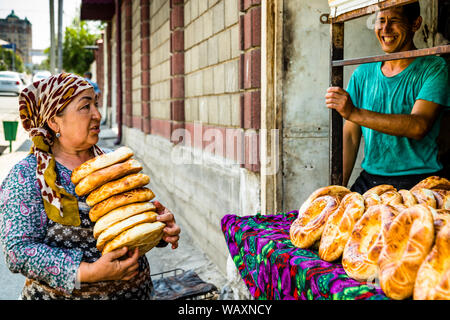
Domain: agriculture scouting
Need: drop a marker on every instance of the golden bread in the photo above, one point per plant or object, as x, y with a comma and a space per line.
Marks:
114, 187
407, 197
339, 226
407, 242
424, 196
433, 182
373, 195
361, 252
118, 200
333, 190
119, 227
144, 235
100, 162
120, 214
102, 176
433, 277
309, 225
442, 198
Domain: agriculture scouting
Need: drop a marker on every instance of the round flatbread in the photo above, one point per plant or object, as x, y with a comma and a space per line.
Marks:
119, 227
119, 200
100, 162
111, 188
102, 176
120, 214
145, 236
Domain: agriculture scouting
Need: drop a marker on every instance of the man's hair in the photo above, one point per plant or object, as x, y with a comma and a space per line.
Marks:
411, 11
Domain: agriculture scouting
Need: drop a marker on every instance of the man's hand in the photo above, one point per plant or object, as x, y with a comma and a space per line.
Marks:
339, 100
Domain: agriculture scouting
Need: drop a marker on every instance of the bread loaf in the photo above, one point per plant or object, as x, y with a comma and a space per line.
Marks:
433, 277
406, 244
339, 226
118, 200
309, 225
120, 214
432, 182
361, 252
102, 176
373, 195
100, 162
144, 236
117, 228
114, 187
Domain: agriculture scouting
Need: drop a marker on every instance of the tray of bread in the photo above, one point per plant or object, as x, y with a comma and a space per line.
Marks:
398, 238
115, 189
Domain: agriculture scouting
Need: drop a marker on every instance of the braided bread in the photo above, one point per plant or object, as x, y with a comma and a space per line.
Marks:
361, 252
407, 242
340, 225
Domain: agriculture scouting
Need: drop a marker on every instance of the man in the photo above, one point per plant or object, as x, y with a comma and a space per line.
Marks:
396, 105
88, 77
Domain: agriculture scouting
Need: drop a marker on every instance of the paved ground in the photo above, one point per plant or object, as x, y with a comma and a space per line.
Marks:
187, 256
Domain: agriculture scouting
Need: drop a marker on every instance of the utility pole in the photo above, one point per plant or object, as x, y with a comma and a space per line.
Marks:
60, 19
52, 37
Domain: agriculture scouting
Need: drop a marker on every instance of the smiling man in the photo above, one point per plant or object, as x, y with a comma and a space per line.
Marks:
396, 106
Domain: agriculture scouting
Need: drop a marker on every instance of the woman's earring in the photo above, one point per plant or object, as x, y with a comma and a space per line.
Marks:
58, 134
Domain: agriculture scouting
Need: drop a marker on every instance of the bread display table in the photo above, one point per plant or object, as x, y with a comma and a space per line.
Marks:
272, 268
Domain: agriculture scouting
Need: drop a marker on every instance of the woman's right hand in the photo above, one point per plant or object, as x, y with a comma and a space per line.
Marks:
111, 267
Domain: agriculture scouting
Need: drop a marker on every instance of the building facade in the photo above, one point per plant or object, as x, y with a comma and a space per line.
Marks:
18, 31
224, 101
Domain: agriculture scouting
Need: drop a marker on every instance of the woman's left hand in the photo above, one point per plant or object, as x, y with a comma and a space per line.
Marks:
172, 230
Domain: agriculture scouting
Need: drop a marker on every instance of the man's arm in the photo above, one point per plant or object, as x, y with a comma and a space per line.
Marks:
351, 141
414, 125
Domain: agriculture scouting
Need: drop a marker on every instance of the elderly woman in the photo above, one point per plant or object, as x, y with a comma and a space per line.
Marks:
46, 233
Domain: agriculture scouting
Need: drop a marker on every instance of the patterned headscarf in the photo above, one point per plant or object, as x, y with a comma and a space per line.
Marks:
38, 103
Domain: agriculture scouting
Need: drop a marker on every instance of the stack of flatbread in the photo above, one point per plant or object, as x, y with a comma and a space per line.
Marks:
120, 202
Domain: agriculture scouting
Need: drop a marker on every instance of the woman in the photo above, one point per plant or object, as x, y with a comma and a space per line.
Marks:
45, 230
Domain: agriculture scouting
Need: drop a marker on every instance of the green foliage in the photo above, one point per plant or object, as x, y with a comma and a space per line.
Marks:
76, 58
6, 62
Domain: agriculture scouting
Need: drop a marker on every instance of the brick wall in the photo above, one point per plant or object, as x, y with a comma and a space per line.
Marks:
136, 113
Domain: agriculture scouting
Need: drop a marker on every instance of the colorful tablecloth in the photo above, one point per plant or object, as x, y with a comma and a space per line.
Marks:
272, 268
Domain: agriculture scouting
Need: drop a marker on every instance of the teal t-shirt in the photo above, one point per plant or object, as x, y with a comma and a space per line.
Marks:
425, 78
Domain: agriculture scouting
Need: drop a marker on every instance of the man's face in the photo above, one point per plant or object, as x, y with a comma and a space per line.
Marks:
393, 31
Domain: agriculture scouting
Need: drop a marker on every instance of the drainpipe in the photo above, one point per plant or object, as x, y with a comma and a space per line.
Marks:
118, 71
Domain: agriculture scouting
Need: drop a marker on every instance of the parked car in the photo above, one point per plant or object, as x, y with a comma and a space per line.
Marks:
10, 81
41, 75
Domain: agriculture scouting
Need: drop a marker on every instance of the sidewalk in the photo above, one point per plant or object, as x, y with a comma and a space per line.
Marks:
187, 256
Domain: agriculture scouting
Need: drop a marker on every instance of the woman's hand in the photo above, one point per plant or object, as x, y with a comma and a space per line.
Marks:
172, 230
110, 266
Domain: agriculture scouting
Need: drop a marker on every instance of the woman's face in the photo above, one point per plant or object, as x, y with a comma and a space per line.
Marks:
79, 123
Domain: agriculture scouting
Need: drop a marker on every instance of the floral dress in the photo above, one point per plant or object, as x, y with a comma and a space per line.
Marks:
47, 253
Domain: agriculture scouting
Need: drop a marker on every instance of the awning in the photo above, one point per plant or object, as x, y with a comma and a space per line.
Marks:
97, 10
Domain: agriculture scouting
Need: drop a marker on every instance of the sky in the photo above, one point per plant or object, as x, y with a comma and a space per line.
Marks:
38, 13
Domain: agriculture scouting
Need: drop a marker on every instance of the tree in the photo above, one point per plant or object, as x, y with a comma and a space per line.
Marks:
76, 58
6, 57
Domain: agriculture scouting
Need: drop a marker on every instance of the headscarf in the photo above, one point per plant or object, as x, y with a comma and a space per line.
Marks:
38, 103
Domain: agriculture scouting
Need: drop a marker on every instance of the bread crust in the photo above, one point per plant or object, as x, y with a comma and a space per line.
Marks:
407, 242
117, 228
309, 225
118, 200
424, 196
433, 182
433, 277
120, 214
129, 182
102, 176
407, 197
339, 226
334, 190
373, 195
100, 162
361, 252
144, 235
